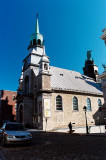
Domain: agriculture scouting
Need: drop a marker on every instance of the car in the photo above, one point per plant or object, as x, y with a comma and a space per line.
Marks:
14, 133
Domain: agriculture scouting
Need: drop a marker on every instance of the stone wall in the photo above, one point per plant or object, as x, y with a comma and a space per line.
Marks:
28, 111
62, 118
44, 82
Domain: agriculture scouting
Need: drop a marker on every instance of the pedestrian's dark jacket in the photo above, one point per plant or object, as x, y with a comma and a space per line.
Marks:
70, 126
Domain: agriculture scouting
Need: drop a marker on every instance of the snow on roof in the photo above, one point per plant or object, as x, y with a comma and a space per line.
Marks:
68, 80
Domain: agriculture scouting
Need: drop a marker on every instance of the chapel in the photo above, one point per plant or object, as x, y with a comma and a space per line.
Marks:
49, 97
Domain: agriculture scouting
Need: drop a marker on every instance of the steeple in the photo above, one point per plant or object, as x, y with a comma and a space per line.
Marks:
36, 39
37, 25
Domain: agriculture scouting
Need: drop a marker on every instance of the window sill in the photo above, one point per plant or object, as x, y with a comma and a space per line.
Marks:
75, 111
59, 111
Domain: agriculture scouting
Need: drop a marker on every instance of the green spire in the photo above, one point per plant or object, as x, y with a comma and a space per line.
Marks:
37, 25
36, 38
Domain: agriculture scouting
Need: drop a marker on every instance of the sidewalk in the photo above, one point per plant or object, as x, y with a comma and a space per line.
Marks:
82, 129
93, 130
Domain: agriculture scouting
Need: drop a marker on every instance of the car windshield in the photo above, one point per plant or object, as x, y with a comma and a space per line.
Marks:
14, 127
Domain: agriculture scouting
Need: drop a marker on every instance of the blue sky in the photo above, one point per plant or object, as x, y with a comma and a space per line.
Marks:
69, 27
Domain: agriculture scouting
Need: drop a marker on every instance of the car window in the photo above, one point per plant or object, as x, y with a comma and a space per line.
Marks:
14, 127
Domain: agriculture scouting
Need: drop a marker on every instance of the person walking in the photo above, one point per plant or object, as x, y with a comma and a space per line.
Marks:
70, 127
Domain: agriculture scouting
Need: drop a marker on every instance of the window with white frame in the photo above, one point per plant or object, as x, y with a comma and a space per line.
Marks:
59, 103
75, 104
88, 101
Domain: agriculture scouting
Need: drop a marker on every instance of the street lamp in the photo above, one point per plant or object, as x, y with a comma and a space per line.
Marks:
85, 109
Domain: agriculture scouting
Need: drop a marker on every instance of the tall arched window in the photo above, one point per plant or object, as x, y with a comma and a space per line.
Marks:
75, 104
26, 84
58, 103
88, 101
99, 103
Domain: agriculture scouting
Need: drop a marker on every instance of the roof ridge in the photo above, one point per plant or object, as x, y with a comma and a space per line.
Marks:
66, 69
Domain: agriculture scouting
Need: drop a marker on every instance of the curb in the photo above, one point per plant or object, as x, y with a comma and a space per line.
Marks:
97, 135
91, 134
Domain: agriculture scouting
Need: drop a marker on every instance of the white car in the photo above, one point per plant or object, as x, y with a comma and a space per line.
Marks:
13, 133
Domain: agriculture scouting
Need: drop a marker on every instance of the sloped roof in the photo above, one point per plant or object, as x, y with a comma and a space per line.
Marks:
68, 80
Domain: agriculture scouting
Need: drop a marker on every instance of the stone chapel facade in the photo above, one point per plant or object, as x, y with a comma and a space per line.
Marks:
49, 97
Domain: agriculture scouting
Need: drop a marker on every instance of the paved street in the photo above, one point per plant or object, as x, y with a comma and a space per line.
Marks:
58, 146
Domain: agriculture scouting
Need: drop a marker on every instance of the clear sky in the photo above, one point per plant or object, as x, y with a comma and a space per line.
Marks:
69, 27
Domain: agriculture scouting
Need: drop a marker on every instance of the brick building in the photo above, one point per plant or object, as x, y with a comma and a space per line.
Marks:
7, 106
49, 97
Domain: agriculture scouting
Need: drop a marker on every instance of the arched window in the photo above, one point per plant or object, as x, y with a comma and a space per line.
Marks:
45, 66
88, 101
75, 104
58, 103
34, 41
39, 42
26, 84
99, 103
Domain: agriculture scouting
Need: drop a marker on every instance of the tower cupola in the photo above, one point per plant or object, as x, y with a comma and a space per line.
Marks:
44, 63
36, 38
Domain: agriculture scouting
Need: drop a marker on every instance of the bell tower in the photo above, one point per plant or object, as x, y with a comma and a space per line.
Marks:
90, 69
28, 98
35, 49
